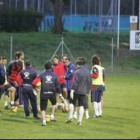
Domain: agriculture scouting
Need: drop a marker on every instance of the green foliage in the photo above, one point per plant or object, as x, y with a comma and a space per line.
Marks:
19, 20
39, 47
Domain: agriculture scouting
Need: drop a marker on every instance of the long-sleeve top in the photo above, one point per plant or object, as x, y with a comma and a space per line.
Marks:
59, 70
49, 84
82, 80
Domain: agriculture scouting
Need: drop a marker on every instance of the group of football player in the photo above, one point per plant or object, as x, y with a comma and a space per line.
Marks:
66, 85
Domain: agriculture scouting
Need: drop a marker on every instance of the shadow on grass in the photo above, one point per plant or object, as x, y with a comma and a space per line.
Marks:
16, 120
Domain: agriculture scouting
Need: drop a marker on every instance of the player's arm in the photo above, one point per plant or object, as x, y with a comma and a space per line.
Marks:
69, 75
36, 82
19, 80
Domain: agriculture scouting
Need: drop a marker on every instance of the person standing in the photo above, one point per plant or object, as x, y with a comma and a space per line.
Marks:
13, 69
97, 85
80, 87
7, 87
49, 87
68, 77
59, 70
25, 79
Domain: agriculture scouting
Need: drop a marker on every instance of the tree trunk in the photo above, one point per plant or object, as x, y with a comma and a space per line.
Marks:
58, 27
42, 9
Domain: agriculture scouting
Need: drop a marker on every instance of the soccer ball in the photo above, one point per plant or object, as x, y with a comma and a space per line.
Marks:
65, 109
14, 110
48, 118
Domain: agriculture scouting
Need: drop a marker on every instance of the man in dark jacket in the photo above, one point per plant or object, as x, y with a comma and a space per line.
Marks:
25, 79
80, 88
49, 87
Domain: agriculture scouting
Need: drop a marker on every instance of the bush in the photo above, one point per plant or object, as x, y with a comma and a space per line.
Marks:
19, 21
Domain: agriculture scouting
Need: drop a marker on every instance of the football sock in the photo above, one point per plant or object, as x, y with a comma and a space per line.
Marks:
75, 114
81, 113
71, 108
12, 102
87, 114
5, 103
100, 108
96, 111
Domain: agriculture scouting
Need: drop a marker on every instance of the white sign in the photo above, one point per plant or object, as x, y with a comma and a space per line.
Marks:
110, 22
135, 40
133, 19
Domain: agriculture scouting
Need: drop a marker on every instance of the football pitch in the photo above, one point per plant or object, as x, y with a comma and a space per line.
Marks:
121, 116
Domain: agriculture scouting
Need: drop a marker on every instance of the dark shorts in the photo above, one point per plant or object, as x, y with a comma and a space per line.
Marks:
80, 98
96, 94
63, 86
86, 102
44, 102
71, 101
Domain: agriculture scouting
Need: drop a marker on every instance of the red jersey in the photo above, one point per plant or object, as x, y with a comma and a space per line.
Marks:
59, 70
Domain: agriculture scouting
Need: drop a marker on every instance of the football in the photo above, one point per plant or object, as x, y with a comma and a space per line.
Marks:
48, 119
14, 110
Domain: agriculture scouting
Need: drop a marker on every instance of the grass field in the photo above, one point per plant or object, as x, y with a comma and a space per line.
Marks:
121, 116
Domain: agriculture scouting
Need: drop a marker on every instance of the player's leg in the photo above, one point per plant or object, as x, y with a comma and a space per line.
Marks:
33, 101
0, 98
86, 107
53, 102
12, 91
81, 100
65, 94
72, 103
6, 100
100, 89
43, 107
26, 102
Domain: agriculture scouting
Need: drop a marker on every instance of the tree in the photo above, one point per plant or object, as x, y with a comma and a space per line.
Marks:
58, 27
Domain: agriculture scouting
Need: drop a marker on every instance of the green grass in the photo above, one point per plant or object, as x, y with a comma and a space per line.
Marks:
39, 47
120, 116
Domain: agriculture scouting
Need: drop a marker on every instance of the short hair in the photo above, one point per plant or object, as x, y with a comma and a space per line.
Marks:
95, 60
18, 63
4, 58
79, 62
56, 56
82, 59
65, 55
68, 58
27, 63
48, 65
18, 54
